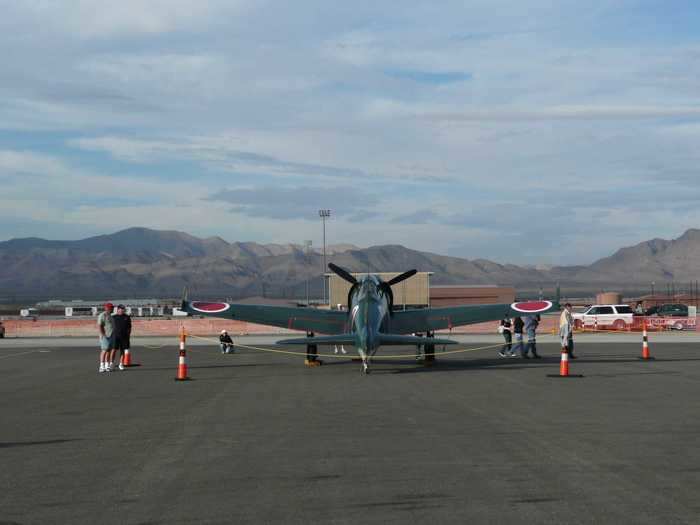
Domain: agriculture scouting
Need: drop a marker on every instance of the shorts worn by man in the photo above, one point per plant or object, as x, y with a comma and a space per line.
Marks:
105, 326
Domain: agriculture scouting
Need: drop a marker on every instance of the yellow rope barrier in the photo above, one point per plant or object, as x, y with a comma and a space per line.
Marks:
338, 356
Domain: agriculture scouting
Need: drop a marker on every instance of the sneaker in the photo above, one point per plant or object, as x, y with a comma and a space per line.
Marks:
537, 356
342, 350
335, 349
502, 354
102, 368
512, 355
121, 367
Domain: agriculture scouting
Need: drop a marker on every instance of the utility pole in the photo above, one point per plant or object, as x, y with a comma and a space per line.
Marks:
324, 214
307, 249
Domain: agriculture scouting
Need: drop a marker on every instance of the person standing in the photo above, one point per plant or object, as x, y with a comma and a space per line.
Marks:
225, 342
122, 335
566, 331
105, 326
531, 324
2, 331
505, 329
518, 325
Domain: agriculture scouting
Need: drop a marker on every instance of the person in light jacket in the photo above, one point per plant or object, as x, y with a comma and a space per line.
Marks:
566, 331
505, 329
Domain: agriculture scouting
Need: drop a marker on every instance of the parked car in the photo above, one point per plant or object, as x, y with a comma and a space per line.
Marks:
616, 316
668, 310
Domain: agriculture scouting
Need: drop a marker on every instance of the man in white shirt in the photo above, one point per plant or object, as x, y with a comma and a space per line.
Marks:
566, 330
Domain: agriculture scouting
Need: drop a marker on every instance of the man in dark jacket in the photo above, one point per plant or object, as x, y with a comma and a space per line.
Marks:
122, 334
225, 342
518, 325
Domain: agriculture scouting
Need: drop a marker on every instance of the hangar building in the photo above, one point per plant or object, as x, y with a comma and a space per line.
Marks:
416, 292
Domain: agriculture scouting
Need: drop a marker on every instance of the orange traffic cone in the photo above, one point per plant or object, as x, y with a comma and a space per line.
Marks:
645, 344
126, 358
182, 363
564, 366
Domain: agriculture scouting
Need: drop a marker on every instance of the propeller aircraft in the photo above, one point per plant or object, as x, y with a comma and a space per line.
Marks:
370, 321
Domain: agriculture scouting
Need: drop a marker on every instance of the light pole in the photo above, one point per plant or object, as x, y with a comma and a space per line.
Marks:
307, 249
324, 214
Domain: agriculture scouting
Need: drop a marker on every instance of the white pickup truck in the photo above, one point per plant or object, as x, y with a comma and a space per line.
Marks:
605, 316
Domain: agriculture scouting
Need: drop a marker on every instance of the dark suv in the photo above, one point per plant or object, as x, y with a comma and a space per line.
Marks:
668, 310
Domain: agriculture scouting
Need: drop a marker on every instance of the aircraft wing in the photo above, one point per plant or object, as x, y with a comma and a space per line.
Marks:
430, 319
331, 322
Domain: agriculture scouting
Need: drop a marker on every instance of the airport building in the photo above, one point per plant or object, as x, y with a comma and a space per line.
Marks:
414, 292
134, 307
458, 295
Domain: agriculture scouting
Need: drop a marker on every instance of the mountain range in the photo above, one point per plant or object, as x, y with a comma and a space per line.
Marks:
140, 262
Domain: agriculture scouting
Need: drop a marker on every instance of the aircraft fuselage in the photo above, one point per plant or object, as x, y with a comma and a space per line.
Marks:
369, 315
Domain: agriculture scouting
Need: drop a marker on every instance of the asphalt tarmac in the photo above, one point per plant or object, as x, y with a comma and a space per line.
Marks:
256, 437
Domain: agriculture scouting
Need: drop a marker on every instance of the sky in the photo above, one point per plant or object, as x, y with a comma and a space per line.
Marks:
521, 131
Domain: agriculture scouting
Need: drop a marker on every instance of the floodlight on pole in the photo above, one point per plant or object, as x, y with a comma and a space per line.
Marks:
307, 250
324, 214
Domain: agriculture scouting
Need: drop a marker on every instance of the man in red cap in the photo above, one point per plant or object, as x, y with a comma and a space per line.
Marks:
106, 327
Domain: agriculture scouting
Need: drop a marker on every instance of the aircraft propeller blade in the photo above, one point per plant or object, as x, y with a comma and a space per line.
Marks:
402, 277
340, 272
185, 297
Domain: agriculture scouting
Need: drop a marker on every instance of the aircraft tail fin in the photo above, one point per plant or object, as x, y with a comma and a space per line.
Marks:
342, 339
384, 339
395, 339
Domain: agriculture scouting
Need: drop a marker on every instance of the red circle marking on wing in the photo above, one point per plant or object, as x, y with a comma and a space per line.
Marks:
210, 307
531, 306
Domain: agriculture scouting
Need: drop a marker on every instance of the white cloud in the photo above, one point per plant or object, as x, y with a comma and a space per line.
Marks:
621, 112
100, 18
30, 163
555, 101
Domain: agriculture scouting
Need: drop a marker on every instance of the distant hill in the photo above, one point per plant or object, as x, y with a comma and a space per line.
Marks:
140, 262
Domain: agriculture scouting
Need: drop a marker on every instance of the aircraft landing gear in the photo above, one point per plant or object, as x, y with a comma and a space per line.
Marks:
312, 352
429, 359
365, 362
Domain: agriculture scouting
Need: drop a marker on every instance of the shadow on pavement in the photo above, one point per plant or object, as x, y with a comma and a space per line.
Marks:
13, 444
